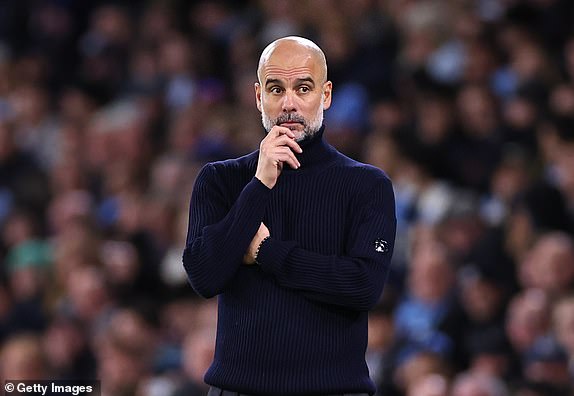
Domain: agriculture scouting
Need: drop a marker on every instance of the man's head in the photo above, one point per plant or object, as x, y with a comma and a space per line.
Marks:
293, 90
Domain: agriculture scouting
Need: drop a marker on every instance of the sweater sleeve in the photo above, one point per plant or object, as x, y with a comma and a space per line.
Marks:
354, 280
218, 236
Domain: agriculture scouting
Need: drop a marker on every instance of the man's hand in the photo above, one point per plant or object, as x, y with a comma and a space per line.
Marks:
278, 147
261, 234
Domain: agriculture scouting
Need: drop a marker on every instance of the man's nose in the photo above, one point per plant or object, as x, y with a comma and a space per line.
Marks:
289, 102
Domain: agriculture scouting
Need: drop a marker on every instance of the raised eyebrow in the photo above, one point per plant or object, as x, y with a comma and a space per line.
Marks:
276, 81
271, 81
305, 80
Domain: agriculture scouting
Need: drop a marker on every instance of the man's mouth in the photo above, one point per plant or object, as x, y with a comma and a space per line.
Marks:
291, 124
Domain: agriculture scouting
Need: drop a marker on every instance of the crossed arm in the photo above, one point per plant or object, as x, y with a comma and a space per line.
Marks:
219, 237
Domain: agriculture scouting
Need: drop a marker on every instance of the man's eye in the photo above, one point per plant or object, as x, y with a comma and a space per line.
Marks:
304, 89
275, 90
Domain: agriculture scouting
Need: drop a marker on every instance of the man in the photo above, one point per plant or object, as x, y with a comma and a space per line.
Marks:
295, 239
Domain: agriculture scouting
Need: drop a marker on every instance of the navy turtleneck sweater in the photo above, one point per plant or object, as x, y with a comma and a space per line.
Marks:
297, 323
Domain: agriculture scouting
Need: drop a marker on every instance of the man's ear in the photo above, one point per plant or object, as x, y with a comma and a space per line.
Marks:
327, 91
258, 95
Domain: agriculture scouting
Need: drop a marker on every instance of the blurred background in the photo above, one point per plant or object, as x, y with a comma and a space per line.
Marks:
109, 109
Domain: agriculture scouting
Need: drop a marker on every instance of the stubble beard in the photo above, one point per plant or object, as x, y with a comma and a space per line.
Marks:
310, 127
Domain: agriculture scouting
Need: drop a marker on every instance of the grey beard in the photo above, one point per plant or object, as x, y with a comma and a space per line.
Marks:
308, 130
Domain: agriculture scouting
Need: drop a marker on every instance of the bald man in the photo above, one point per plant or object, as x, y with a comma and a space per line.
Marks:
295, 239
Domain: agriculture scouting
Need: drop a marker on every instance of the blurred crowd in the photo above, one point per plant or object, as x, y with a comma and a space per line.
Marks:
109, 109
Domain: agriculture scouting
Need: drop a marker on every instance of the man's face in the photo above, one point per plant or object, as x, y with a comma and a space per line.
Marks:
293, 92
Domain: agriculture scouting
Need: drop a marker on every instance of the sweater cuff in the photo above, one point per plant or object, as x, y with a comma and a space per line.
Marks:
253, 199
258, 184
273, 254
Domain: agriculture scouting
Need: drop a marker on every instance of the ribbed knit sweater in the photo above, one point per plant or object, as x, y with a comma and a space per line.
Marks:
296, 324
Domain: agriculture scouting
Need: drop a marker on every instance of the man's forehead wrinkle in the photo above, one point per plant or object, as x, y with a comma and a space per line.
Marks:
274, 71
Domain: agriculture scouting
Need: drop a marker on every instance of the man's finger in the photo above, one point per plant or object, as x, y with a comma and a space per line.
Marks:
279, 130
286, 159
294, 146
286, 141
284, 154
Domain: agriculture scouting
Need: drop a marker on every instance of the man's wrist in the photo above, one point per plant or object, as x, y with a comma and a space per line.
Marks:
256, 256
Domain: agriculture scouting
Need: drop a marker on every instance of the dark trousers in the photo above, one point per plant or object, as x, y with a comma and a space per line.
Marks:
213, 391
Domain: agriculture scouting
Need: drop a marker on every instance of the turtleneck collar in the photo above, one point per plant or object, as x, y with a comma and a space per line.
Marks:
316, 151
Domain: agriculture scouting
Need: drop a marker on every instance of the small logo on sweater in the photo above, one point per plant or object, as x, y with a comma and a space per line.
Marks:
381, 246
